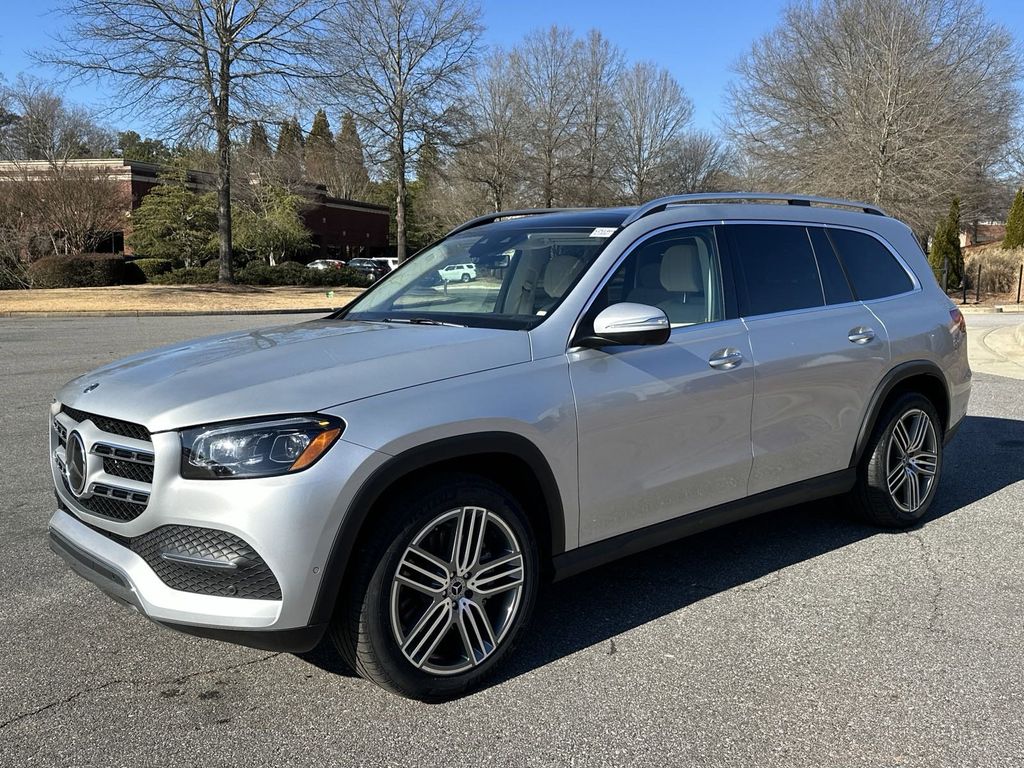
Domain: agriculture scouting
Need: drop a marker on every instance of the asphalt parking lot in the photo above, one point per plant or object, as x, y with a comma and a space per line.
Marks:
801, 638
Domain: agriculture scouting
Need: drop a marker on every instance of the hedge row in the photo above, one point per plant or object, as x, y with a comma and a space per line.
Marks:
85, 271
94, 270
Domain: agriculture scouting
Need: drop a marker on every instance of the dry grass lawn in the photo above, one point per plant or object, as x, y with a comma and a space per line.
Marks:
156, 299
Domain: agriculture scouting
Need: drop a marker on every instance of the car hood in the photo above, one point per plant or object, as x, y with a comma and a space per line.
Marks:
289, 369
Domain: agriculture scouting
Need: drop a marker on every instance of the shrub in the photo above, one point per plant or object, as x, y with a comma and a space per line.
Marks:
85, 271
188, 276
153, 267
293, 273
1000, 269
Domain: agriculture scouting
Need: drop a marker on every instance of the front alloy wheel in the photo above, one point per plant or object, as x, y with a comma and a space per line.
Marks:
446, 581
457, 590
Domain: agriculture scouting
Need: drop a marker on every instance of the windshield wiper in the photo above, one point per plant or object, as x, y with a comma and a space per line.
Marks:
420, 321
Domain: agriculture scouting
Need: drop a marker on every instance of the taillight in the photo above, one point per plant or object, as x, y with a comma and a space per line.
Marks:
957, 321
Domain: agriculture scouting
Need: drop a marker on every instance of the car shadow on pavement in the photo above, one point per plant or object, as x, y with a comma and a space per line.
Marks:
586, 610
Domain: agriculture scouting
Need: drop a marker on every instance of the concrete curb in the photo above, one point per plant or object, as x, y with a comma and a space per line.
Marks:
167, 313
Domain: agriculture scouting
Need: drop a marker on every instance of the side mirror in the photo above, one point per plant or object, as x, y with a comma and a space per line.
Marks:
627, 323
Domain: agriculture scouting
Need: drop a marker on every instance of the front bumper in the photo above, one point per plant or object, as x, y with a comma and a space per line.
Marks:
289, 521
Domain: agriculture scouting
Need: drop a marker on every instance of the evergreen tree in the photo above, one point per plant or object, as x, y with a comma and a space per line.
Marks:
320, 152
289, 140
259, 143
353, 178
1015, 223
945, 252
175, 222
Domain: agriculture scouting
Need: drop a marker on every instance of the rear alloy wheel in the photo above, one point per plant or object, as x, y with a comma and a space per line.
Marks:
899, 474
465, 277
446, 582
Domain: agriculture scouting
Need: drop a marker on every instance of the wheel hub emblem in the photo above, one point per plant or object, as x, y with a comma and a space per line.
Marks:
75, 464
457, 588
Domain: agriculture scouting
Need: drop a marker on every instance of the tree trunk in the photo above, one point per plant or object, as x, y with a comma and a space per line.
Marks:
226, 273
400, 201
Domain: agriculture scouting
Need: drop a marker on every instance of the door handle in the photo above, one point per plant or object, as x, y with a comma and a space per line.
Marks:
725, 359
861, 335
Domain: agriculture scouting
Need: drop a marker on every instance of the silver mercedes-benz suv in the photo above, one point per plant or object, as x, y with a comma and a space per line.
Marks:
402, 475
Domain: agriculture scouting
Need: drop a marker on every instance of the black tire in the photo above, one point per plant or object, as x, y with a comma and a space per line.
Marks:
465, 277
362, 626
871, 496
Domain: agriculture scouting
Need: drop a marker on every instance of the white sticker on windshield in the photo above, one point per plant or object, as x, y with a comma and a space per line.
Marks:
603, 232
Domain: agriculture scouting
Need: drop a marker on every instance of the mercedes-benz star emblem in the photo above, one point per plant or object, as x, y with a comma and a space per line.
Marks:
75, 464
90, 388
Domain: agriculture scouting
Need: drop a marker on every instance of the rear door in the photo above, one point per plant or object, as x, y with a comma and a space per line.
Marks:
818, 354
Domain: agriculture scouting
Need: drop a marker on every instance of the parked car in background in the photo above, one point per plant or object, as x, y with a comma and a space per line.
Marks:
458, 273
370, 267
402, 475
323, 264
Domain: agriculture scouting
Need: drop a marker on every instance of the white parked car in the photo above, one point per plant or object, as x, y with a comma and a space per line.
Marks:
454, 273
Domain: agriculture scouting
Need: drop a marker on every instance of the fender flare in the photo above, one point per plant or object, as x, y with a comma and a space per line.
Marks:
885, 387
399, 466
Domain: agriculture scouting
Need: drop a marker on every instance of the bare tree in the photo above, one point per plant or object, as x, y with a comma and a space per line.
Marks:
546, 69
39, 124
493, 155
406, 63
600, 66
698, 163
71, 205
654, 113
199, 66
899, 102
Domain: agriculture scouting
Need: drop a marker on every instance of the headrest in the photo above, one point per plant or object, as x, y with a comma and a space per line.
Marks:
559, 274
680, 269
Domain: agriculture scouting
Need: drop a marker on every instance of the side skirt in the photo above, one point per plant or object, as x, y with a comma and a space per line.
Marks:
592, 555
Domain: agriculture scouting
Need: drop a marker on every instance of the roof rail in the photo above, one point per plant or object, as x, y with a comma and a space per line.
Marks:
661, 203
489, 218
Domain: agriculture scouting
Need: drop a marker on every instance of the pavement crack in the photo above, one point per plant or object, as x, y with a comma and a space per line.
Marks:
934, 609
131, 681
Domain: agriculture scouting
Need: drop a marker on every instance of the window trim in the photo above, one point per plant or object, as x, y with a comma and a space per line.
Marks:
724, 268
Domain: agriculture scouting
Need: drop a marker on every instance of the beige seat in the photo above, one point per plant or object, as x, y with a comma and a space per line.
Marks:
680, 276
558, 275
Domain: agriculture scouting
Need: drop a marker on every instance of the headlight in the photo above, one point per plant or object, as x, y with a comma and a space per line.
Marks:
256, 448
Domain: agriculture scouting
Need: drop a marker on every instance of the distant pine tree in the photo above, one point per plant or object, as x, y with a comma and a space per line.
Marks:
320, 153
945, 251
259, 142
1015, 223
289, 139
353, 178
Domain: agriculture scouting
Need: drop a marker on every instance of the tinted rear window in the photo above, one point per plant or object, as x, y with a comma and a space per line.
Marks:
777, 268
837, 289
872, 269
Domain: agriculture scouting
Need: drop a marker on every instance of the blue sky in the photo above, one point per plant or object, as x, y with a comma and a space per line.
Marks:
697, 41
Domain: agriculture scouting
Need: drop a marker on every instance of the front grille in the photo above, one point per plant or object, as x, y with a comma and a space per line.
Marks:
104, 503
251, 578
107, 424
106, 498
129, 469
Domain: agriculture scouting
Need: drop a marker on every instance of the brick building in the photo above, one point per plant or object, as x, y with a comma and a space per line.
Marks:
344, 228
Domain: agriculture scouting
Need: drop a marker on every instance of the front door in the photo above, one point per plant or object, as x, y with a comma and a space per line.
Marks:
664, 430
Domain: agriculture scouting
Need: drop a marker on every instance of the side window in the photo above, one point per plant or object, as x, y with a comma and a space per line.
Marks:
676, 271
833, 279
872, 269
777, 270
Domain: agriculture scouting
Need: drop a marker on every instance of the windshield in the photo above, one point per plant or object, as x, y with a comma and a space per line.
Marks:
490, 276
